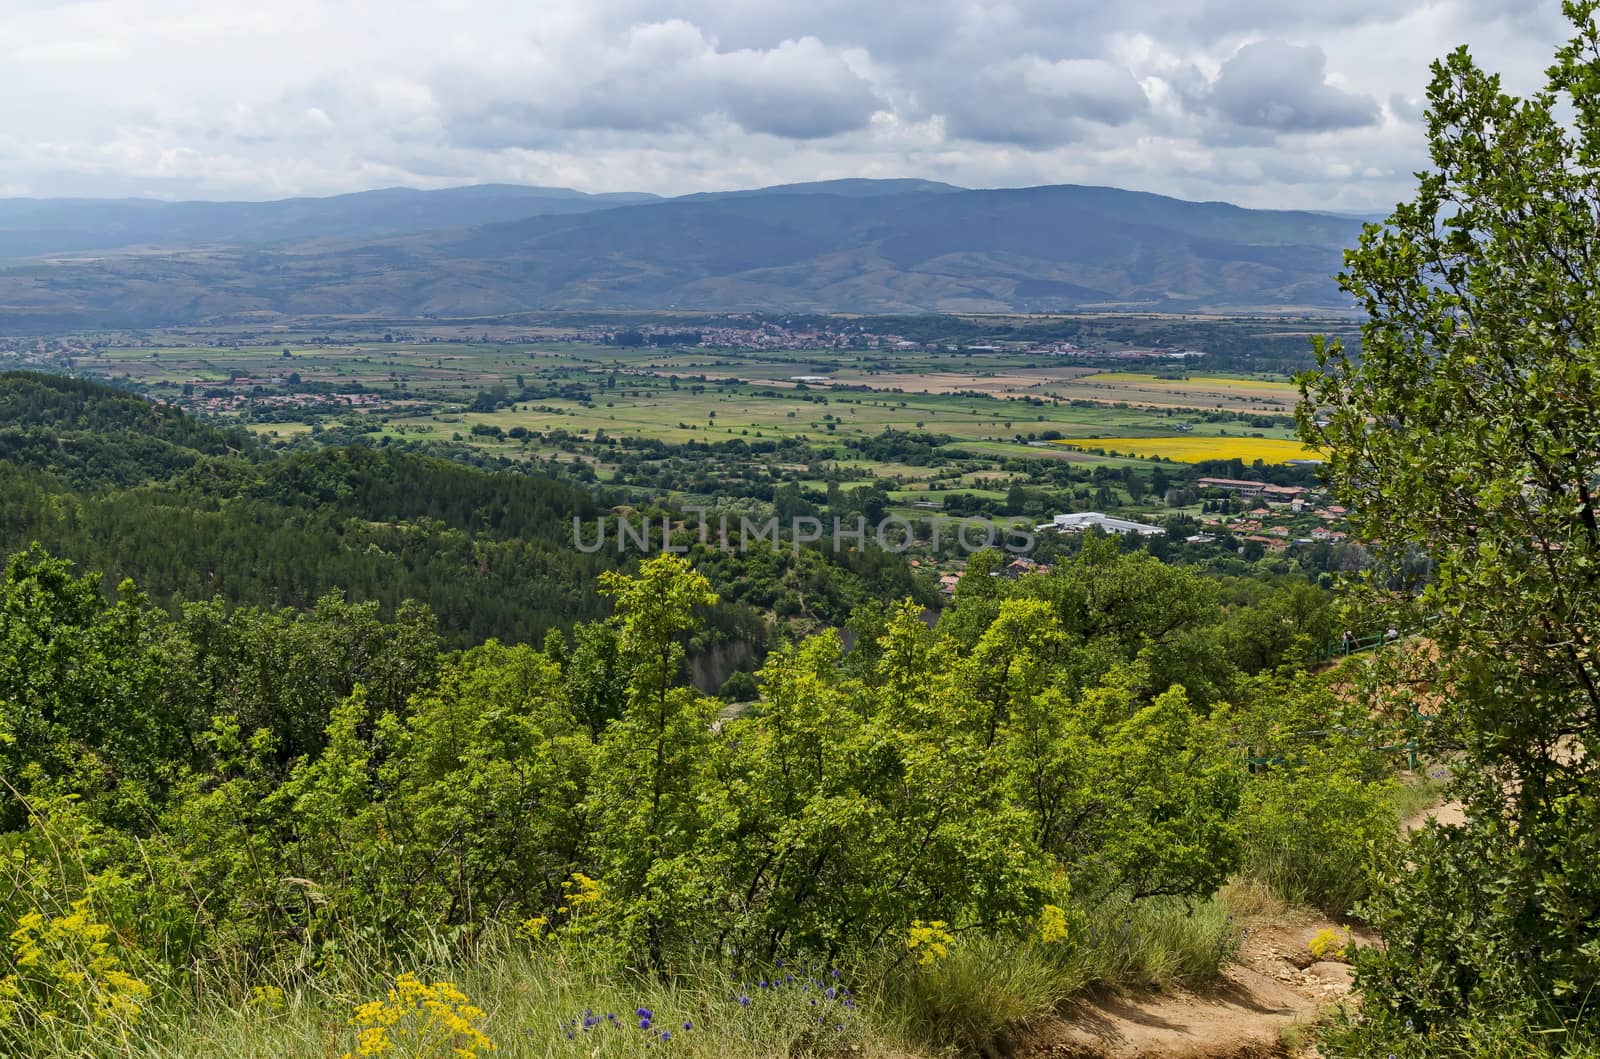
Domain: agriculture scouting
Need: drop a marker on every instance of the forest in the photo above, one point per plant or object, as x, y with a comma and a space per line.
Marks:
192, 513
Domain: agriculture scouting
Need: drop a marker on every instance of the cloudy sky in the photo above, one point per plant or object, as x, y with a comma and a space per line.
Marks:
1281, 103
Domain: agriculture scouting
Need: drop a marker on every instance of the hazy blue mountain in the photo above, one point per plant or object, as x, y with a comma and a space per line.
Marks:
34, 227
868, 246
850, 188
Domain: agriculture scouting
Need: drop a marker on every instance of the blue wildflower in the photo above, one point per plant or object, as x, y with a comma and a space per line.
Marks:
644, 1024
666, 1035
688, 1025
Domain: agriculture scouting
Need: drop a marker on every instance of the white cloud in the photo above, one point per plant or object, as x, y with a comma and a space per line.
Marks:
1248, 100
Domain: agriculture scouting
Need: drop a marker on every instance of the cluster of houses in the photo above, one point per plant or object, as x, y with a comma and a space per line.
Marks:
1243, 487
763, 335
1287, 514
1017, 567
234, 402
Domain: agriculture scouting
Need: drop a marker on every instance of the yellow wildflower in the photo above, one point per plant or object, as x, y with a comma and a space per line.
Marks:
66, 963
267, 998
581, 893
930, 941
1052, 924
418, 1020
1326, 944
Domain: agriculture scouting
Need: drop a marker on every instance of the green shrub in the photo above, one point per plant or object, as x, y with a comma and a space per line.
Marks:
1382, 1033
1315, 829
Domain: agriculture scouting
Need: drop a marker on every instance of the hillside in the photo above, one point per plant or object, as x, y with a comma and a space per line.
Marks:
859, 246
132, 489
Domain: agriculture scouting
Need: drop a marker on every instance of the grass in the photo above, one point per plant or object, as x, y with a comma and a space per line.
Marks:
1418, 792
1274, 397
535, 1006
987, 400
984, 990
533, 998
1156, 942
1196, 382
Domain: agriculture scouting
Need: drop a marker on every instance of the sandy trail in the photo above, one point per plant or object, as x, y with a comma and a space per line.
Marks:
1270, 993
1271, 990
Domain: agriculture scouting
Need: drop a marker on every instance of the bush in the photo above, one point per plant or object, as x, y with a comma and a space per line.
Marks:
1463, 933
1314, 830
739, 687
1382, 1033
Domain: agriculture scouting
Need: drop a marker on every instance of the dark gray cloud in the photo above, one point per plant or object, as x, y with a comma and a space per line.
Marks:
1272, 84
1035, 102
657, 78
1406, 108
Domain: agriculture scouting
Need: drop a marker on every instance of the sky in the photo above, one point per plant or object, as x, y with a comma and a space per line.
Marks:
1266, 103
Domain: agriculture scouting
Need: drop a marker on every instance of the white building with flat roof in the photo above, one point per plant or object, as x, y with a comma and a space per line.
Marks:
1081, 521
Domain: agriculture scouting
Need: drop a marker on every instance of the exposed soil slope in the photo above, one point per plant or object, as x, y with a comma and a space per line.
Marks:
1271, 989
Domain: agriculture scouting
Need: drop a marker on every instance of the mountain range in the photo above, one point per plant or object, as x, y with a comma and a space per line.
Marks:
881, 246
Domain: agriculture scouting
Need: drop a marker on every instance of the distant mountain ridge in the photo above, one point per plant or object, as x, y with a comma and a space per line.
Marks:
34, 227
850, 245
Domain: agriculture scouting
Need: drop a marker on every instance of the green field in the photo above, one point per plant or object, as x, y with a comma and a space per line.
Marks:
563, 399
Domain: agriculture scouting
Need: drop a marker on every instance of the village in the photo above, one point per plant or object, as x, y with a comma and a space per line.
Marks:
1249, 518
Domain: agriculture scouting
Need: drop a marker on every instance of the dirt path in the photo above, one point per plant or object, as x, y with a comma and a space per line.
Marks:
1273, 989
1447, 813
1269, 993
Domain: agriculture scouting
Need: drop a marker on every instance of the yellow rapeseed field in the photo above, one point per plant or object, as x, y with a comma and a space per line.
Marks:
1190, 448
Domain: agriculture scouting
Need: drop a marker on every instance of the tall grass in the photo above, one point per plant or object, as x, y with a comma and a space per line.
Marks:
1418, 792
537, 1000
987, 988
1155, 943
543, 1005
1316, 835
